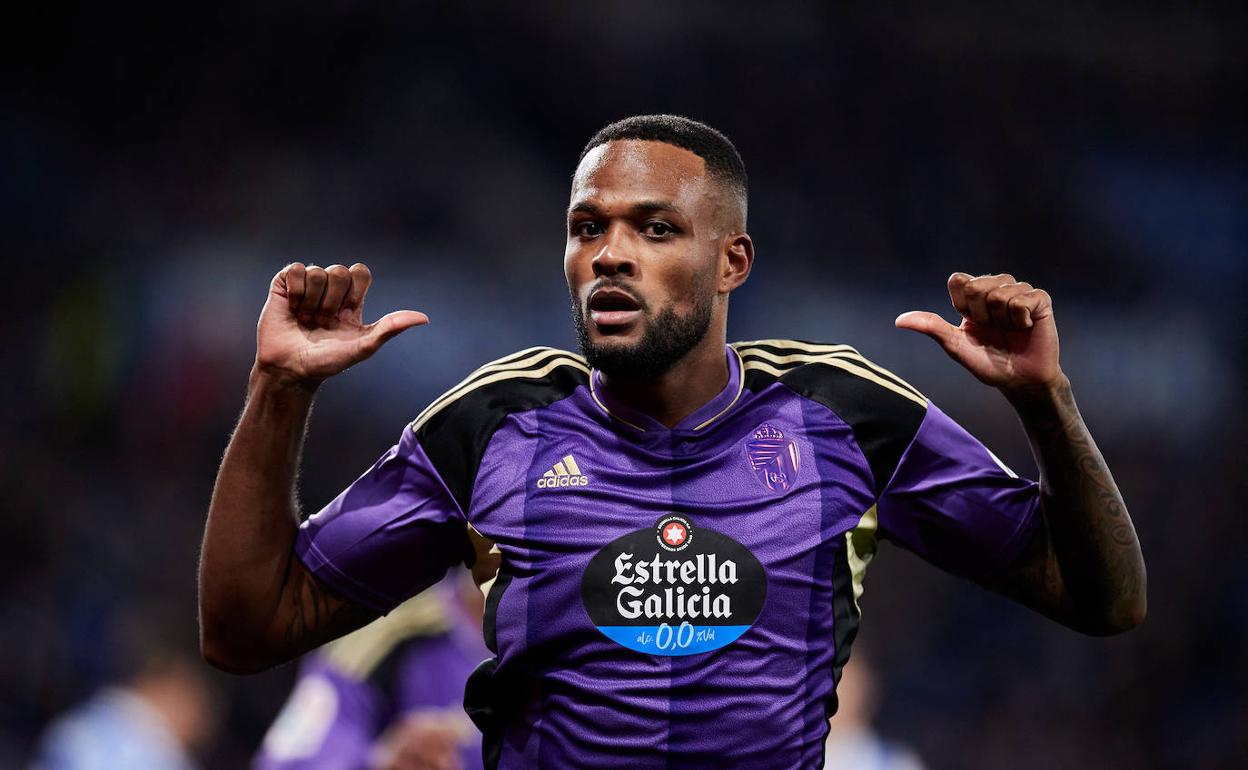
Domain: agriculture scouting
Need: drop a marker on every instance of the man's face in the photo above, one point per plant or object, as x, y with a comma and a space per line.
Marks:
642, 255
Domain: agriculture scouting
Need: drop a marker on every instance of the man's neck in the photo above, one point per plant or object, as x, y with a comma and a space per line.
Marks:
680, 391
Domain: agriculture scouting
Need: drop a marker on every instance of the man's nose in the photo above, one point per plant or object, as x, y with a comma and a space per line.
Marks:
614, 257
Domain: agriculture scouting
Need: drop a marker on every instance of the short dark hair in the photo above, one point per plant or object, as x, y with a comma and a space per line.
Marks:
723, 162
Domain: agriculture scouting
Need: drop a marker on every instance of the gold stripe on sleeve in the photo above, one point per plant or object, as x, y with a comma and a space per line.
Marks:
520, 360
840, 351
509, 373
847, 364
809, 347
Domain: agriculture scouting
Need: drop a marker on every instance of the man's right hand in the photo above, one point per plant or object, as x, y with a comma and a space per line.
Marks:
312, 328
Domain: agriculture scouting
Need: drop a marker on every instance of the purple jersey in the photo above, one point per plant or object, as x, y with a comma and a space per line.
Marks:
659, 598
414, 662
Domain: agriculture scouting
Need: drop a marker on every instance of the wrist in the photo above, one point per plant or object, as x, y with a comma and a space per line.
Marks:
267, 380
1039, 396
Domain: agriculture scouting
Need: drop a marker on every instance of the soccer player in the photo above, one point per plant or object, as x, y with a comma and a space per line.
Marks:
388, 696
673, 530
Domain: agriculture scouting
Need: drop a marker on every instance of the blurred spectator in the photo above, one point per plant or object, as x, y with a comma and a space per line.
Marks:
153, 720
387, 697
852, 742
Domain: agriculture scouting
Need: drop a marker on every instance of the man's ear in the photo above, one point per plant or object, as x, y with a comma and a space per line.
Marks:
736, 260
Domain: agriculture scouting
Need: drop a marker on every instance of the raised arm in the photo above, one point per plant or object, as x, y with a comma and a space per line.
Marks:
1084, 567
258, 605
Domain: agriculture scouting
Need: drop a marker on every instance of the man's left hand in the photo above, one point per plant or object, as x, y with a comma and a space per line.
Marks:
1007, 337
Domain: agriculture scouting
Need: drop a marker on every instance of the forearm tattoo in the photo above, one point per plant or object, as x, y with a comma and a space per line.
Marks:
1096, 558
316, 615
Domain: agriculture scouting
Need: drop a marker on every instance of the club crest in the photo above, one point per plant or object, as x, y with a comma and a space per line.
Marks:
773, 458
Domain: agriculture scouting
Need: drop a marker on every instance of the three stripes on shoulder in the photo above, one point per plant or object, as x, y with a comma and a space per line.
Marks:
531, 363
775, 357
779, 357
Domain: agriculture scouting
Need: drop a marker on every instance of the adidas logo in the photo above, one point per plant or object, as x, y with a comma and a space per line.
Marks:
566, 473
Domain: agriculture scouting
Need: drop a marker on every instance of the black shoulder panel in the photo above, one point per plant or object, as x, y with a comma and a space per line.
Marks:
883, 410
456, 428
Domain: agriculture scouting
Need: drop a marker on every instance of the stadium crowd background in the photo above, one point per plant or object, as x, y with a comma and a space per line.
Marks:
161, 162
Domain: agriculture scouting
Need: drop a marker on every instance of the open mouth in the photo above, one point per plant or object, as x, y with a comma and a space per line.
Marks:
612, 308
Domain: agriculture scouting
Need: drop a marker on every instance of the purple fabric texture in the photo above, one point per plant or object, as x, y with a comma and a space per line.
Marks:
955, 505
577, 695
391, 534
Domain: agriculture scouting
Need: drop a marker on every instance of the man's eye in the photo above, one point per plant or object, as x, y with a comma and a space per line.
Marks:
586, 229
658, 229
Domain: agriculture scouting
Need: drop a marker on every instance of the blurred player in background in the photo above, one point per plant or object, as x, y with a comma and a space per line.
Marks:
161, 710
853, 743
389, 696
674, 530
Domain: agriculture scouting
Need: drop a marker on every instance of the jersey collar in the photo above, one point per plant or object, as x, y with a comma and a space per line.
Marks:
701, 417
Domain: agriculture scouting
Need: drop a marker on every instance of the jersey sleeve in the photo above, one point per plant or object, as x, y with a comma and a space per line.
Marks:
330, 720
953, 503
392, 533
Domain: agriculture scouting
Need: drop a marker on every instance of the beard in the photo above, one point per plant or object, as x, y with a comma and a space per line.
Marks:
667, 339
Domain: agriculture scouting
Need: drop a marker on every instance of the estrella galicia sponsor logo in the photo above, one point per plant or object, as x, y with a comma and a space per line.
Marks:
674, 589
674, 533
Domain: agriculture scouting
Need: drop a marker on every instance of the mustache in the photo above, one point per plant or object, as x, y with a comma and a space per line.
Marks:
612, 283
